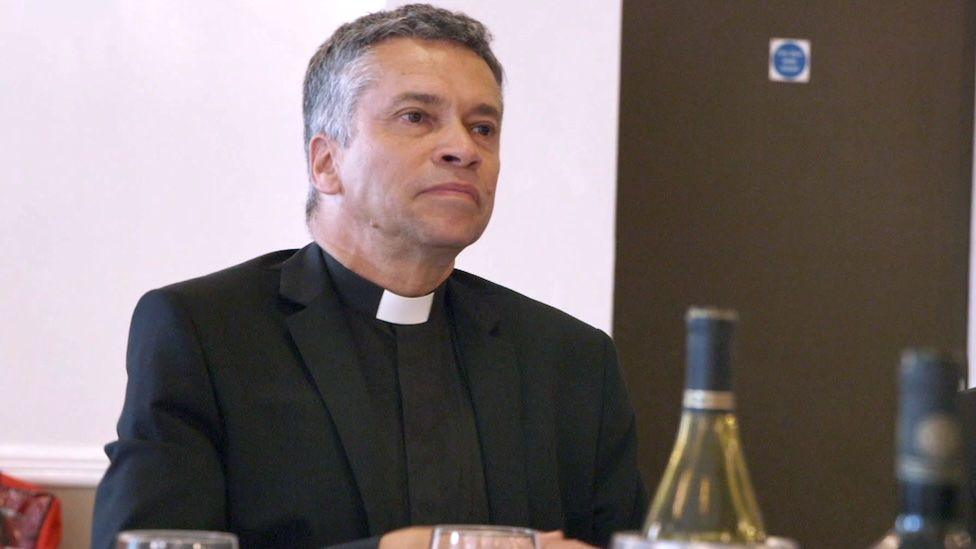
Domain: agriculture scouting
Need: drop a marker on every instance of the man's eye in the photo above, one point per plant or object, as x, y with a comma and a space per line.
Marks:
484, 130
413, 117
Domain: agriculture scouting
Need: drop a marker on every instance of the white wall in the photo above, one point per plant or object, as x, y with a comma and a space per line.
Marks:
971, 339
143, 143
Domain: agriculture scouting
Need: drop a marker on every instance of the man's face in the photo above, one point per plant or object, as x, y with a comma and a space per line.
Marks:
421, 168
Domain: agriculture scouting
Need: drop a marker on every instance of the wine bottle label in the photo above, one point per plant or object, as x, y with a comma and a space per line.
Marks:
696, 399
921, 471
930, 441
931, 455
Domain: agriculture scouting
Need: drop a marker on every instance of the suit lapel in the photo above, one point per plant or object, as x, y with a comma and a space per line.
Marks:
323, 338
495, 382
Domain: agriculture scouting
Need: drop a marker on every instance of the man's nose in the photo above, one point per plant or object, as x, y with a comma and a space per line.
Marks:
458, 147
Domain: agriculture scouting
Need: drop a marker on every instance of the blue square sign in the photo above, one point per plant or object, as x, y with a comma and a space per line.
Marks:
789, 60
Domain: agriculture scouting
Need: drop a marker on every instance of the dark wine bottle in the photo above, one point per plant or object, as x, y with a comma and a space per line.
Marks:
929, 463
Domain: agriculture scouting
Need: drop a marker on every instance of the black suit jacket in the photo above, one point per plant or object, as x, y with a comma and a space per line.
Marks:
246, 411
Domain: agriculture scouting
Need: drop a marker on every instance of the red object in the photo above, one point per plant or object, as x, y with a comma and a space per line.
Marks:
31, 517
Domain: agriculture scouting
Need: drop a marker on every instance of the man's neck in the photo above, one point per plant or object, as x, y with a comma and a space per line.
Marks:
404, 274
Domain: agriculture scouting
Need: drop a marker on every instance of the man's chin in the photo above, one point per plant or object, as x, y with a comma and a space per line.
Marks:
452, 237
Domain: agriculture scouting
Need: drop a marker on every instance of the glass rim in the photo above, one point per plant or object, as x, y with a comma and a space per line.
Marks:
177, 536
489, 529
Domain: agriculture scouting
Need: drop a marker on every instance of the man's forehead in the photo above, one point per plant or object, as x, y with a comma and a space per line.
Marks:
433, 67
425, 49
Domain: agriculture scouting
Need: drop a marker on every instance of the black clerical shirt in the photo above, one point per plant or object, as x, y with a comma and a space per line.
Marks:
415, 380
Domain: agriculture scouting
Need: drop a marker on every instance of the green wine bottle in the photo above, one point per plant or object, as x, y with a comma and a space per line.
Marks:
706, 494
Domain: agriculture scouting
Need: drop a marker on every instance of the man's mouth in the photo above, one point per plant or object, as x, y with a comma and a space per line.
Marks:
455, 188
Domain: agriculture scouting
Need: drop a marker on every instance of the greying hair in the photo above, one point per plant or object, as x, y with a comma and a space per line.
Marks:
339, 72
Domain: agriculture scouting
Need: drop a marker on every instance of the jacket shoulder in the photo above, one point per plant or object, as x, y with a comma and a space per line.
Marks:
252, 270
257, 278
530, 314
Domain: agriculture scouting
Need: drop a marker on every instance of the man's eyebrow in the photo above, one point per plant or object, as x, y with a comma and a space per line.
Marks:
417, 97
429, 99
484, 109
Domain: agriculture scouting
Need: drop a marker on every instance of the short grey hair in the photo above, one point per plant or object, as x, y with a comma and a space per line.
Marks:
339, 72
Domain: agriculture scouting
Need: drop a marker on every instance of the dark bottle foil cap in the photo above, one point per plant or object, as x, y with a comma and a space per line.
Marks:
929, 434
709, 352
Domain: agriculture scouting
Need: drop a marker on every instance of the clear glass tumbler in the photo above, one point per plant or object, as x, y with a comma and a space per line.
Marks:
483, 537
175, 539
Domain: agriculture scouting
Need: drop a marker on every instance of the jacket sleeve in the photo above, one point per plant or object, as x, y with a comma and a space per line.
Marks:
165, 468
620, 499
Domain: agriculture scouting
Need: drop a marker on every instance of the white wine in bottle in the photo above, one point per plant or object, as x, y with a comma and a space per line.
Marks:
706, 494
929, 462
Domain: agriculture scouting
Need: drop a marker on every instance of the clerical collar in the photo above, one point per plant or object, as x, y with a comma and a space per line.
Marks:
361, 294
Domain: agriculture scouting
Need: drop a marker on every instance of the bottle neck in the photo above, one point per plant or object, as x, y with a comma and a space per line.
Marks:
699, 400
931, 502
929, 461
708, 375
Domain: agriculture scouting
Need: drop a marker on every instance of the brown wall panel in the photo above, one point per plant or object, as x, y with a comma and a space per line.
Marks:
834, 215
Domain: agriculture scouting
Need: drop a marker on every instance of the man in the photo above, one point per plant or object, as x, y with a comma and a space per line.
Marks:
361, 385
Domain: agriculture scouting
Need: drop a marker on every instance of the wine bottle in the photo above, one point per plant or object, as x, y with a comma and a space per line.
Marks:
706, 494
929, 463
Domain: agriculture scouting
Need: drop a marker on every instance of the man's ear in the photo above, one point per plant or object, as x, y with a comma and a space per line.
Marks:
322, 156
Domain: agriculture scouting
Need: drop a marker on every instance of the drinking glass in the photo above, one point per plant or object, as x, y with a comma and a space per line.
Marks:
483, 537
175, 539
